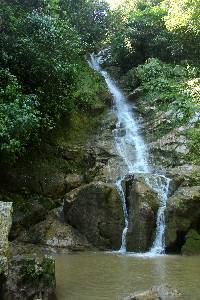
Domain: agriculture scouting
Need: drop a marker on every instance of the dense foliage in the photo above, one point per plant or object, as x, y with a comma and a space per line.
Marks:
43, 71
168, 30
90, 19
171, 88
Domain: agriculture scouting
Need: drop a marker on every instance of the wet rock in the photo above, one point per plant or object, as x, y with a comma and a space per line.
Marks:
192, 244
182, 214
52, 232
142, 203
95, 210
162, 292
30, 278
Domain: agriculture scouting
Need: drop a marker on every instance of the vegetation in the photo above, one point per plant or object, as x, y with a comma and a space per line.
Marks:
171, 88
44, 74
43, 71
168, 30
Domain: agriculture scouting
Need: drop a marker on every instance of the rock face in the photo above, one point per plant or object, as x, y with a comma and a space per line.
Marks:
54, 233
182, 214
162, 292
30, 278
142, 203
95, 210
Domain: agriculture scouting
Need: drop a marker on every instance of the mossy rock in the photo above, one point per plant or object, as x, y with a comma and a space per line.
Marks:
27, 210
30, 277
192, 245
52, 232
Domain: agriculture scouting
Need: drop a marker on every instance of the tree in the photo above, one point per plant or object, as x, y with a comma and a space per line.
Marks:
90, 18
183, 21
144, 35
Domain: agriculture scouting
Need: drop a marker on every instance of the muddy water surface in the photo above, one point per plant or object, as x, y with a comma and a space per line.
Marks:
104, 276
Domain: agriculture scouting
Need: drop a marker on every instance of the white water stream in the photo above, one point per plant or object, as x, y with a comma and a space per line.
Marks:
133, 150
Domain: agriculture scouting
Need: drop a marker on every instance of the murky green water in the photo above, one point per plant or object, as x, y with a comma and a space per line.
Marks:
103, 276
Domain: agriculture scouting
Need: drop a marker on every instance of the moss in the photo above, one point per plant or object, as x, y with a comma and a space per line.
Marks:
194, 178
35, 272
192, 245
74, 131
77, 129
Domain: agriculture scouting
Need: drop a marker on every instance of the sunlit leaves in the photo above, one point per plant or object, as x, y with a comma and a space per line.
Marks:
183, 14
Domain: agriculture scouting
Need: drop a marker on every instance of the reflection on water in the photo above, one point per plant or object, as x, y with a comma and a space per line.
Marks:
103, 276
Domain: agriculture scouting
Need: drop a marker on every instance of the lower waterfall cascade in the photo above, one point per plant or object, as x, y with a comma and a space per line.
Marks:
132, 149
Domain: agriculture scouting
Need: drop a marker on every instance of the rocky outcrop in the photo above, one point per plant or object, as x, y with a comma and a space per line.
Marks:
52, 232
170, 149
142, 203
162, 292
30, 278
187, 175
95, 210
182, 214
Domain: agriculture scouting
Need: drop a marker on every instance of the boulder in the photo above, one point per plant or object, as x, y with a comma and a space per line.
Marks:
162, 292
142, 204
53, 232
30, 277
95, 210
182, 214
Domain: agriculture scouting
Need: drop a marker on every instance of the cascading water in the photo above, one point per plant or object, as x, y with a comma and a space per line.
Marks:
132, 149
160, 185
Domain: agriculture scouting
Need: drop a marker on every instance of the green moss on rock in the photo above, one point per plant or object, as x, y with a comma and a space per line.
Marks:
192, 245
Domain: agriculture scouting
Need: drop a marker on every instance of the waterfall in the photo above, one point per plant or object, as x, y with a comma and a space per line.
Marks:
133, 150
160, 184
